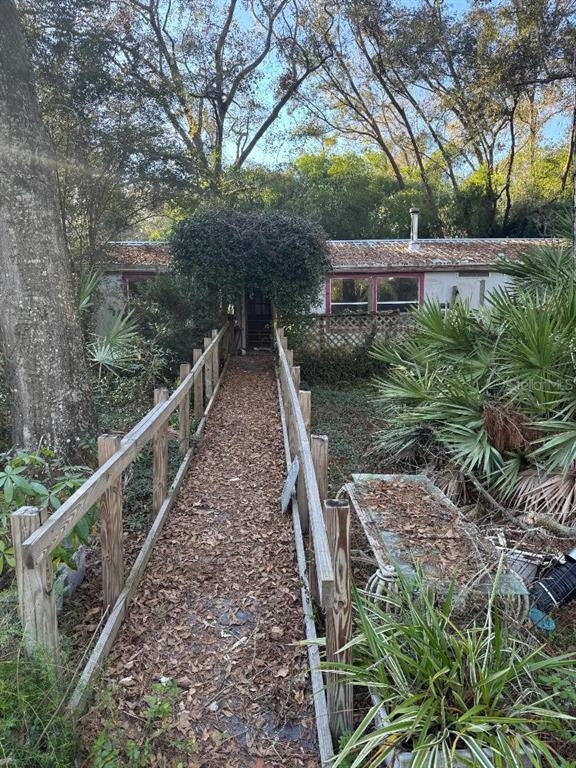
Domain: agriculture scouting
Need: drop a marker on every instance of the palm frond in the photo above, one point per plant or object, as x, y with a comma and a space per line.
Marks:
89, 283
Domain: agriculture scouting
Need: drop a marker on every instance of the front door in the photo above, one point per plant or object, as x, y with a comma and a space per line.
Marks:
258, 320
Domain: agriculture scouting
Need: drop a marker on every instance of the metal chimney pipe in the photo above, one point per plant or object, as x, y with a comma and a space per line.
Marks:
414, 213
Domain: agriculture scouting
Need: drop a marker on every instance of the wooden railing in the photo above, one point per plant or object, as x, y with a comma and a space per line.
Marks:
35, 538
322, 534
297, 408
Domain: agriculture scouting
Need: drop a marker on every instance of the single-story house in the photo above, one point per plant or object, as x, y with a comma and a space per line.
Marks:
366, 276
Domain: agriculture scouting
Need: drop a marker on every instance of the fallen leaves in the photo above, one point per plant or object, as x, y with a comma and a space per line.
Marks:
218, 610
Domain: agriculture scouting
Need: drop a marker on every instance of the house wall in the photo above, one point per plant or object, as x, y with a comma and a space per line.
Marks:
110, 300
440, 285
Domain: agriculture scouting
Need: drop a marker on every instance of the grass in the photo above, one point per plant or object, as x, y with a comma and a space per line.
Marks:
349, 416
34, 732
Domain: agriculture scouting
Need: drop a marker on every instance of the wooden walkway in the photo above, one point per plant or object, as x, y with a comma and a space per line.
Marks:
218, 611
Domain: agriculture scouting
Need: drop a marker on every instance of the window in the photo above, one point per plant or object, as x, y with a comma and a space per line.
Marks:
349, 294
399, 293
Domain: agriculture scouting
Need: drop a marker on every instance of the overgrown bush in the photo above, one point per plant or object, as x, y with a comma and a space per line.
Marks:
442, 685
176, 312
337, 366
38, 479
492, 391
282, 255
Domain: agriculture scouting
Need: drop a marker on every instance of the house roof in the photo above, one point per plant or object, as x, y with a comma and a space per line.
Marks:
149, 255
447, 253
354, 255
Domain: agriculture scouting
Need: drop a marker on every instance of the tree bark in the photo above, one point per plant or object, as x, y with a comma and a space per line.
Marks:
50, 395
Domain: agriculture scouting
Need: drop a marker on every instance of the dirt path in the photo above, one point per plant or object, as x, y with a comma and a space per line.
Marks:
219, 608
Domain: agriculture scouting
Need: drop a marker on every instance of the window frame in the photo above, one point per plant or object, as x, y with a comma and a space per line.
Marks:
373, 278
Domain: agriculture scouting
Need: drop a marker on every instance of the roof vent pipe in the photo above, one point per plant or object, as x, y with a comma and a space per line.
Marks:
414, 245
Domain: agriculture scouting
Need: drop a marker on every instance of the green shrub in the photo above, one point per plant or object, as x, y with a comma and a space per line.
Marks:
176, 312
337, 366
280, 254
38, 479
34, 731
444, 686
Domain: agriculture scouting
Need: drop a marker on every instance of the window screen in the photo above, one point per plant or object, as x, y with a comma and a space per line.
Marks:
399, 293
349, 295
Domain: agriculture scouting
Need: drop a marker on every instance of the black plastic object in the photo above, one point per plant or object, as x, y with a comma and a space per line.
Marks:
557, 587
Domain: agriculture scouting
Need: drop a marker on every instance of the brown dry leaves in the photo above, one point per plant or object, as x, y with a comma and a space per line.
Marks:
218, 610
429, 533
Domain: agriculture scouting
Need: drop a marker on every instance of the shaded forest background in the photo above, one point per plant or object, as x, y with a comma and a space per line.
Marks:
347, 114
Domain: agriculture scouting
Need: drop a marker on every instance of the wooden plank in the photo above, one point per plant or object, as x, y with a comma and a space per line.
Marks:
289, 484
61, 523
339, 617
215, 360
111, 527
305, 400
321, 551
319, 450
208, 369
200, 428
325, 746
184, 415
35, 592
159, 459
198, 385
81, 693
295, 371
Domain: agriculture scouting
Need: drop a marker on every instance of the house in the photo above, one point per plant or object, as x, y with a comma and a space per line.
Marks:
366, 276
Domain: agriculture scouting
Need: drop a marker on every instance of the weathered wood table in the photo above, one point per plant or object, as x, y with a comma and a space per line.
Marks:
410, 524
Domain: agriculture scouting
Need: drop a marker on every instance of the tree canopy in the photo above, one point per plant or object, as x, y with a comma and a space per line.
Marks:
157, 108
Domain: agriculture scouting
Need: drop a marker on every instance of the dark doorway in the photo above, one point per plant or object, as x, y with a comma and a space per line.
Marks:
258, 320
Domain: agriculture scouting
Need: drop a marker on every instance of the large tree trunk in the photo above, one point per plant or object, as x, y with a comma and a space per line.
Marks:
41, 338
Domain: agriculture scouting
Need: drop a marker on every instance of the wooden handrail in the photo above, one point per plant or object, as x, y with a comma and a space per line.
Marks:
324, 570
60, 524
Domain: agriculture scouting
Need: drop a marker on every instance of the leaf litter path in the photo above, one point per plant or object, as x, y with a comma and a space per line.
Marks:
218, 610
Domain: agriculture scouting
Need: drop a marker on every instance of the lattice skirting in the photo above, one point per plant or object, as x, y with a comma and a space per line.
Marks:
328, 332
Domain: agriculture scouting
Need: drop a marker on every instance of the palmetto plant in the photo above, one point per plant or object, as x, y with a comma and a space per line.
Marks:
494, 390
116, 349
452, 695
89, 284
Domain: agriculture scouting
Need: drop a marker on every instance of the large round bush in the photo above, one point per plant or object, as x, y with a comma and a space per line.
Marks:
282, 255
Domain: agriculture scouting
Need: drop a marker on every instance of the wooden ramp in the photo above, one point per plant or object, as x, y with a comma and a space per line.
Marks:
218, 610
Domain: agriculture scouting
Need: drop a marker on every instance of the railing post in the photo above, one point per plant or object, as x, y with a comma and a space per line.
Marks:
304, 399
184, 414
290, 357
198, 386
160, 463
339, 617
215, 360
111, 526
295, 371
208, 370
35, 594
319, 450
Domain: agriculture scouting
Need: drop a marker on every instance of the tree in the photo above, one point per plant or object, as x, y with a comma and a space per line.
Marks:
448, 95
41, 336
112, 153
219, 73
